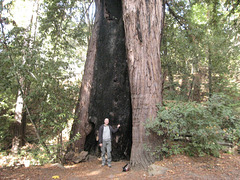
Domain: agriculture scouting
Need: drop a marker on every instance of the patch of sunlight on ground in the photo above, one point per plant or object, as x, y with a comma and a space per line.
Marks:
70, 166
93, 173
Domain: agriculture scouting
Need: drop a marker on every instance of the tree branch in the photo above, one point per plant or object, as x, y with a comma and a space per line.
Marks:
234, 7
177, 17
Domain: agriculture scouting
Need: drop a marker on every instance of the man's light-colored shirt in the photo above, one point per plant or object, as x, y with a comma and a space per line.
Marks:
106, 133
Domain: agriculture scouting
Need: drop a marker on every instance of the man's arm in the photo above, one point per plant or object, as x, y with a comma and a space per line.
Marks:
100, 135
116, 129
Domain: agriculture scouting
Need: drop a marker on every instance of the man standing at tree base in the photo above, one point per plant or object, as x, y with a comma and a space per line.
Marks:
105, 138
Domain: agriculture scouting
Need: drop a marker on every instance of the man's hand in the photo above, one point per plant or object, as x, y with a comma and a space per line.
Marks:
100, 145
118, 126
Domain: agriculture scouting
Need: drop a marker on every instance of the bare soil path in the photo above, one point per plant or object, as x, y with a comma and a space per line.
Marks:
180, 167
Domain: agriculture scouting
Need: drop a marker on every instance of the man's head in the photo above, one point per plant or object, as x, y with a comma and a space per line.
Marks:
106, 121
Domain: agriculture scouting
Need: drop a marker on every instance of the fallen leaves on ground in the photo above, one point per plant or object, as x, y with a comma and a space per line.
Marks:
179, 167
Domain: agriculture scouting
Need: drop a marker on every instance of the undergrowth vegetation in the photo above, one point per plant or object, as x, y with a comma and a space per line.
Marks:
196, 129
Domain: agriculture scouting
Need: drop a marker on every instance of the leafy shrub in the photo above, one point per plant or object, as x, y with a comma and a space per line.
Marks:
194, 128
6, 119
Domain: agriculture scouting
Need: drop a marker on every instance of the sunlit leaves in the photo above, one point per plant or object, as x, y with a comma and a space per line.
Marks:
201, 37
199, 13
43, 51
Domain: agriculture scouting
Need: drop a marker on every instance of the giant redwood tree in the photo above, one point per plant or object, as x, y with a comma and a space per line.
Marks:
105, 85
122, 77
143, 24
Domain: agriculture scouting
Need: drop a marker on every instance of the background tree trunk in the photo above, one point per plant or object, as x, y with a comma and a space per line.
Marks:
143, 25
17, 141
197, 87
105, 88
209, 72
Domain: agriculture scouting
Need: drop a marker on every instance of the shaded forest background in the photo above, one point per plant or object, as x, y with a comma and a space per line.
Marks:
43, 49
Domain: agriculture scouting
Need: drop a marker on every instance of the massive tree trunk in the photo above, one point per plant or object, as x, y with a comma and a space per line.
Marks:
81, 127
143, 25
105, 88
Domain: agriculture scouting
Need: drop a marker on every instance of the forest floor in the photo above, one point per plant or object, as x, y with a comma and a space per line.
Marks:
179, 167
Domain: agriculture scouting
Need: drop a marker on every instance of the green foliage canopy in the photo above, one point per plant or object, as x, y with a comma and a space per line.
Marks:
41, 60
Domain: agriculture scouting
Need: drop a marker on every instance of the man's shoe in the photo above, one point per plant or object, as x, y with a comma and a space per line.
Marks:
109, 166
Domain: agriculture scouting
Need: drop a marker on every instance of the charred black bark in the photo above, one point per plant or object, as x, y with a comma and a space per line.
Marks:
110, 92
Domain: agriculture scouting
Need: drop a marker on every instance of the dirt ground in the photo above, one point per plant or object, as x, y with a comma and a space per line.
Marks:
179, 167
